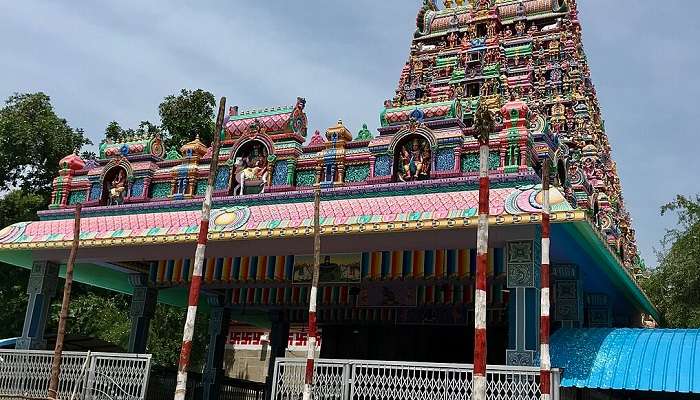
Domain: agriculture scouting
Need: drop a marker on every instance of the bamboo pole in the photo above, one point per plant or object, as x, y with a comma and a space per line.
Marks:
196, 283
312, 334
63, 317
545, 362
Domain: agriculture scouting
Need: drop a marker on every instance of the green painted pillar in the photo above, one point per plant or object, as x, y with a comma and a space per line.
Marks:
291, 167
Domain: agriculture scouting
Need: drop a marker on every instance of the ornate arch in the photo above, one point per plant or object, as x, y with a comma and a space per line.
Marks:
420, 130
259, 137
120, 162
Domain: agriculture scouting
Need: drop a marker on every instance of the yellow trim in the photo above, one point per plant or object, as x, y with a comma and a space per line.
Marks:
253, 234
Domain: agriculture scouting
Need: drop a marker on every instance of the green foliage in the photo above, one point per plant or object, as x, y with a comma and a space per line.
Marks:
13, 297
165, 338
116, 134
32, 141
18, 206
186, 115
114, 131
96, 314
674, 286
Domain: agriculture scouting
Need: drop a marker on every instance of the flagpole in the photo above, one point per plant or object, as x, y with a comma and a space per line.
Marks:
312, 333
196, 282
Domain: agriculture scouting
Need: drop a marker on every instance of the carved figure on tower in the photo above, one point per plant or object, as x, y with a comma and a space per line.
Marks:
117, 188
415, 160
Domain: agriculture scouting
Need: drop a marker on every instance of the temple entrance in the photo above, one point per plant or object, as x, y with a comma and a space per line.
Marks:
251, 169
412, 343
413, 159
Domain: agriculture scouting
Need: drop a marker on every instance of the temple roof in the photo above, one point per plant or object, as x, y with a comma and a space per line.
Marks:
655, 360
290, 219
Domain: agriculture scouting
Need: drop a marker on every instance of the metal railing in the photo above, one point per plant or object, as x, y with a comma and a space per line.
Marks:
375, 380
90, 376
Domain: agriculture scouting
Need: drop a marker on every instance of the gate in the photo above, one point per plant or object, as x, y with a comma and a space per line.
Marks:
88, 376
385, 380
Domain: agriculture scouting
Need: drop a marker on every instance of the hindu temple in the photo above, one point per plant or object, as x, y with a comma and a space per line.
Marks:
398, 224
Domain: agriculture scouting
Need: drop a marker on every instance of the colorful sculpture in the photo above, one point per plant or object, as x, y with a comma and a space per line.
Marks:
415, 160
117, 187
251, 170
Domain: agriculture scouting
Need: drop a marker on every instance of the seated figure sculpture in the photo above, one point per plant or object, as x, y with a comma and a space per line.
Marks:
415, 161
251, 170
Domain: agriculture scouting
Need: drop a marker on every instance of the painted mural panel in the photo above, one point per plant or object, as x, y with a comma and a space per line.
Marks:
337, 268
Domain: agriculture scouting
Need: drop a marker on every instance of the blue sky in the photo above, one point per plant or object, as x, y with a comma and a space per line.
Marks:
116, 60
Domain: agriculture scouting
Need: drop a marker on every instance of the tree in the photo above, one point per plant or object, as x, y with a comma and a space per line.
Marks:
32, 141
114, 132
674, 286
187, 115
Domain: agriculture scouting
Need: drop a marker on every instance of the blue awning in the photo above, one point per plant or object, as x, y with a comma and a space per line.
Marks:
657, 360
10, 342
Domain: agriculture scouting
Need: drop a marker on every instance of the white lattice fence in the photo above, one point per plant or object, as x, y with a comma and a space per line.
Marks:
90, 376
381, 380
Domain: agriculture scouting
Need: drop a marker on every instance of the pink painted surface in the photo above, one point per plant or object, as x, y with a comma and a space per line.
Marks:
333, 212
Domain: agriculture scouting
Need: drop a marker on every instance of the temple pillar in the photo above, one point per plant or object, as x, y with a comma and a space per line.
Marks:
568, 299
523, 281
43, 280
279, 337
219, 320
291, 167
143, 308
458, 159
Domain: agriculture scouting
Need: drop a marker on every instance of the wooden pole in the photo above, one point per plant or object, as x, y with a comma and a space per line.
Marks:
196, 283
545, 362
63, 317
312, 334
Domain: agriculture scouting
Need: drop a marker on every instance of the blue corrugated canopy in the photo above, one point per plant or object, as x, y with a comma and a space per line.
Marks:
657, 360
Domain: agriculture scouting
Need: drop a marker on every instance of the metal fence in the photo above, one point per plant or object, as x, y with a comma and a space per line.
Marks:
382, 380
93, 376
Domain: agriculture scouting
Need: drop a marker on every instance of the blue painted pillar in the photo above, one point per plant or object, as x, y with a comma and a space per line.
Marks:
523, 280
143, 308
219, 320
568, 299
41, 289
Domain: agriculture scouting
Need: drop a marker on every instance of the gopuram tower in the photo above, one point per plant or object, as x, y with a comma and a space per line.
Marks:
493, 51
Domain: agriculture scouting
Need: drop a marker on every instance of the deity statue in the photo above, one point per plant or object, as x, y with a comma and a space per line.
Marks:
251, 169
117, 188
415, 161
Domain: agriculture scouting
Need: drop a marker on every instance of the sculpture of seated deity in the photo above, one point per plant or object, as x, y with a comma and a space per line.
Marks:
415, 161
251, 170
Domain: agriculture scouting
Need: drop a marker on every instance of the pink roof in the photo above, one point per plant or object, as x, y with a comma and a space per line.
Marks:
417, 207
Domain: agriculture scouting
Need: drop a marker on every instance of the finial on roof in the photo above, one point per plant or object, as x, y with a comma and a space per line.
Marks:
364, 133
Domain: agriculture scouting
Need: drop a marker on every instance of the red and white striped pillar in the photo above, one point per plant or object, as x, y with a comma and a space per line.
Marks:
482, 246
196, 282
312, 334
545, 362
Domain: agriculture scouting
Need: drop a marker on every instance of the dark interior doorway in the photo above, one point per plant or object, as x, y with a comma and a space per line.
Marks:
417, 343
